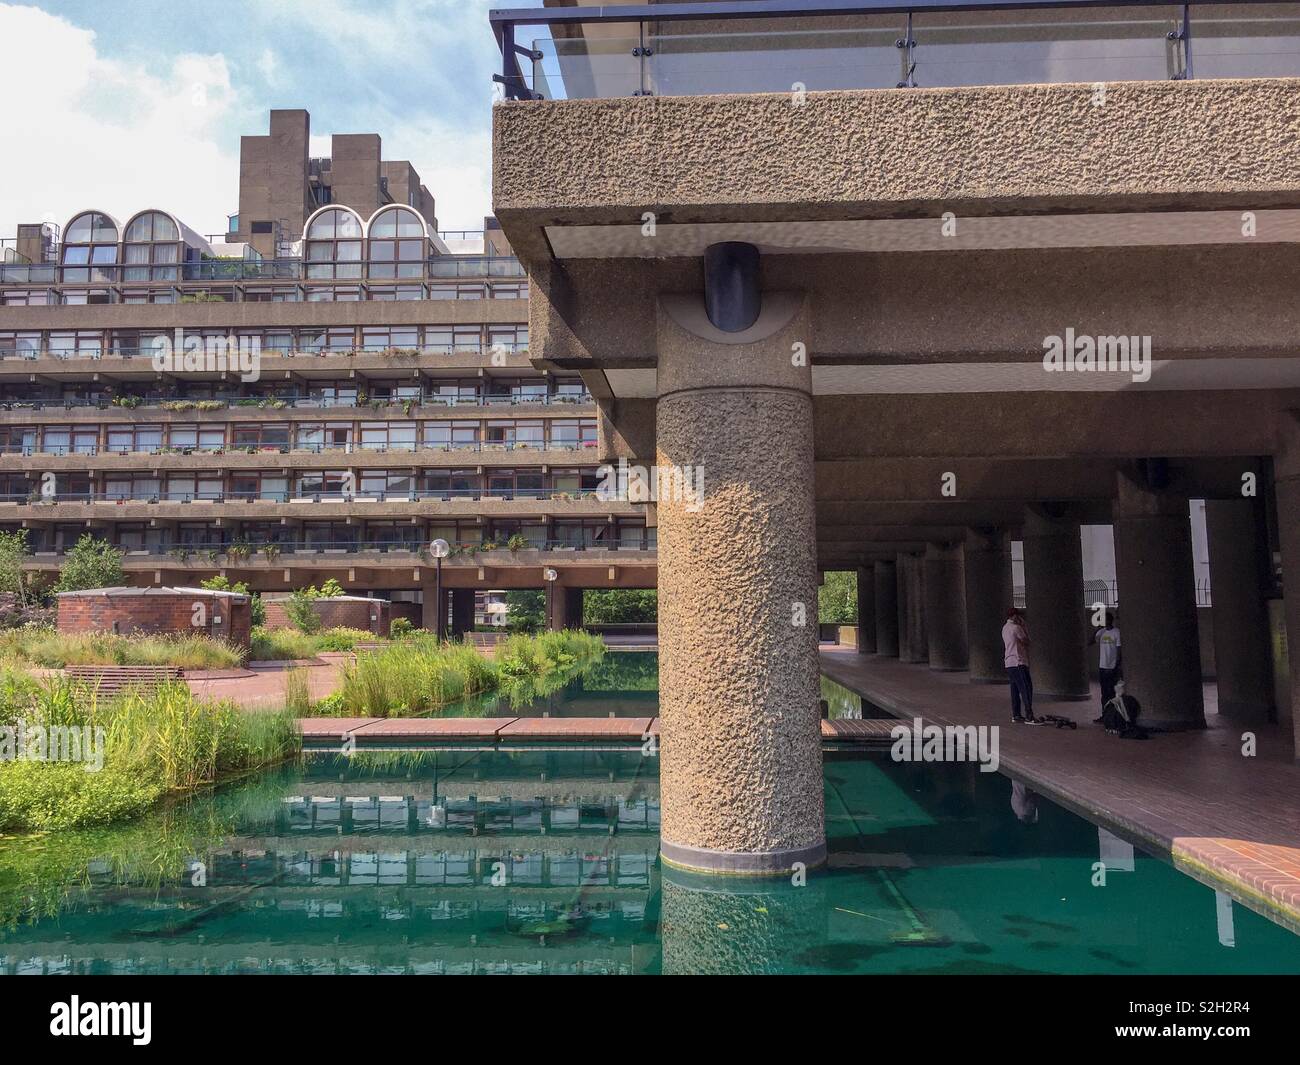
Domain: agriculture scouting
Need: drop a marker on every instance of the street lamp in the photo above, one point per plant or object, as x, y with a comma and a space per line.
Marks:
439, 549
550, 576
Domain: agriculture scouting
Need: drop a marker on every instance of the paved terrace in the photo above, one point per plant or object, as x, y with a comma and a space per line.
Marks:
1233, 823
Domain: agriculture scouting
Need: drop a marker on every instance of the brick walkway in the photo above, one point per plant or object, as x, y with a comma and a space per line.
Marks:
1231, 822
263, 689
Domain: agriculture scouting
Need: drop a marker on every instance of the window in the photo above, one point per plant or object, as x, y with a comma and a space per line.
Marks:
90, 249
197, 437
146, 438
152, 249
20, 345
272, 487
323, 436
386, 483
388, 436
445, 339
268, 437
396, 292
444, 436
186, 487
508, 338
333, 244
573, 433
452, 484
320, 483
401, 338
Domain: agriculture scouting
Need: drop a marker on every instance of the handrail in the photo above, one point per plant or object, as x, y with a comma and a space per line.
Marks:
286, 401
506, 21
248, 551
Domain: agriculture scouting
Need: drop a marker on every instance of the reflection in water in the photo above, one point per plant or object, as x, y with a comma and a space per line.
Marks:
621, 683
531, 861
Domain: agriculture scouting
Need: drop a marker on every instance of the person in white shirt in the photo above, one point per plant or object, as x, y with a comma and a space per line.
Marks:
1109, 658
1015, 656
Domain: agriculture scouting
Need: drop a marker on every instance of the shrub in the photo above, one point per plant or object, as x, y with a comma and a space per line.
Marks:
342, 639
301, 610
278, 645
92, 563
400, 628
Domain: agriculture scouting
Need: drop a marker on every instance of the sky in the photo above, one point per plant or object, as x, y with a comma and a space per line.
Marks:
139, 103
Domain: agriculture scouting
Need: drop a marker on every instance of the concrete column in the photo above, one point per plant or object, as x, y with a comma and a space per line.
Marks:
429, 615
945, 607
913, 638
1286, 469
866, 610
740, 757
564, 608
901, 587
1238, 573
1157, 606
886, 601
462, 611
1054, 606
987, 572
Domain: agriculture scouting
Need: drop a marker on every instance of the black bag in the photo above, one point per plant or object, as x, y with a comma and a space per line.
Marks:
1119, 716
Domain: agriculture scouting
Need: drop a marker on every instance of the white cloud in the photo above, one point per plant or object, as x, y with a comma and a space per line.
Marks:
269, 67
118, 136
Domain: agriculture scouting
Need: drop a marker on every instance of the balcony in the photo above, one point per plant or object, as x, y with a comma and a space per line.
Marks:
698, 49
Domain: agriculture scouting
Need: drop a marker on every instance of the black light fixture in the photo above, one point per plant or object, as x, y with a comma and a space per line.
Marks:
732, 299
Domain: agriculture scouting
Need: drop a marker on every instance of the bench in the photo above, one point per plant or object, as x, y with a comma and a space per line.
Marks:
108, 681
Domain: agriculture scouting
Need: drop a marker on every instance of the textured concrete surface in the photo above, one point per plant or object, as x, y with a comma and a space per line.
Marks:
741, 759
1238, 570
886, 571
1153, 570
856, 153
945, 607
866, 610
1053, 598
987, 572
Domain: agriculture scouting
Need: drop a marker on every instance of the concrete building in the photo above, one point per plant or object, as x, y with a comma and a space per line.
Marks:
318, 401
913, 285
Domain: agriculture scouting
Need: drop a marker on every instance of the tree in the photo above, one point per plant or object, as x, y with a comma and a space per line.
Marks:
525, 610
92, 563
13, 581
837, 598
221, 583
614, 606
300, 608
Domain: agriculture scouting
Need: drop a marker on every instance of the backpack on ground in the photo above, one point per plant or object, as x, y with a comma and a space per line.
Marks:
1119, 717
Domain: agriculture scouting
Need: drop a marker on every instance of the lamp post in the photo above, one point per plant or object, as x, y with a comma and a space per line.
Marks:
549, 575
439, 549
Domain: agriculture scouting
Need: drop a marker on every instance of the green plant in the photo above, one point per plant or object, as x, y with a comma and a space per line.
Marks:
297, 693
300, 608
518, 542
92, 563
525, 610
606, 606
837, 598
399, 628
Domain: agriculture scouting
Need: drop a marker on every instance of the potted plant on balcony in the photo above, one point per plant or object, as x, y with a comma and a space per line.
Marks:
518, 542
271, 552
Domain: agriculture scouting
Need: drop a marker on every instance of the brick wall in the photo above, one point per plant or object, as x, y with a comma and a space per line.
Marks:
157, 614
369, 614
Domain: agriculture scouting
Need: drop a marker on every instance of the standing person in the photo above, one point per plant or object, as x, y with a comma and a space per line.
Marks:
1109, 659
1015, 656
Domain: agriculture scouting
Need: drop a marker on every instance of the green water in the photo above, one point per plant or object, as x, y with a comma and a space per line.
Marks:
621, 684
547, 861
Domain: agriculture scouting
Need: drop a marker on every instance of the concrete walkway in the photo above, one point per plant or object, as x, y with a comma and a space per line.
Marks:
1229, 821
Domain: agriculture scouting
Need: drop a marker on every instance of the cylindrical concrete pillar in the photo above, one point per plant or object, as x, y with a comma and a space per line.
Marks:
1157, 606
1054, 606
886, 599
462, 611
740, 762
1238, 571
987, 572
1286, 467
866, 610
913, 637
945, 607
902, 586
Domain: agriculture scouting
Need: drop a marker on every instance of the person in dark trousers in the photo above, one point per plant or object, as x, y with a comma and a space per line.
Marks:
1109, 659
1015, 645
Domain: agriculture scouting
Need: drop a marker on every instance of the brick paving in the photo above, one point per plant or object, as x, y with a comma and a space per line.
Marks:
1230, 821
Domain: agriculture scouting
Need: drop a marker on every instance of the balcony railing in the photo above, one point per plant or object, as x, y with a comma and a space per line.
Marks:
415, 495
437, 268
296, 401
745, 46
234, 553
515, 448
147, 352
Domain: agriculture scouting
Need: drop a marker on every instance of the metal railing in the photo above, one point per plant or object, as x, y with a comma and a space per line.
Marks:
285, 401
359, 495
734, 46
235, 552
435, 268
121, 351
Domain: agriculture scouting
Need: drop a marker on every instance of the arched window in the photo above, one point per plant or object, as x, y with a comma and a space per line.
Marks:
398, 243
334, 237
152, 249
90, 248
